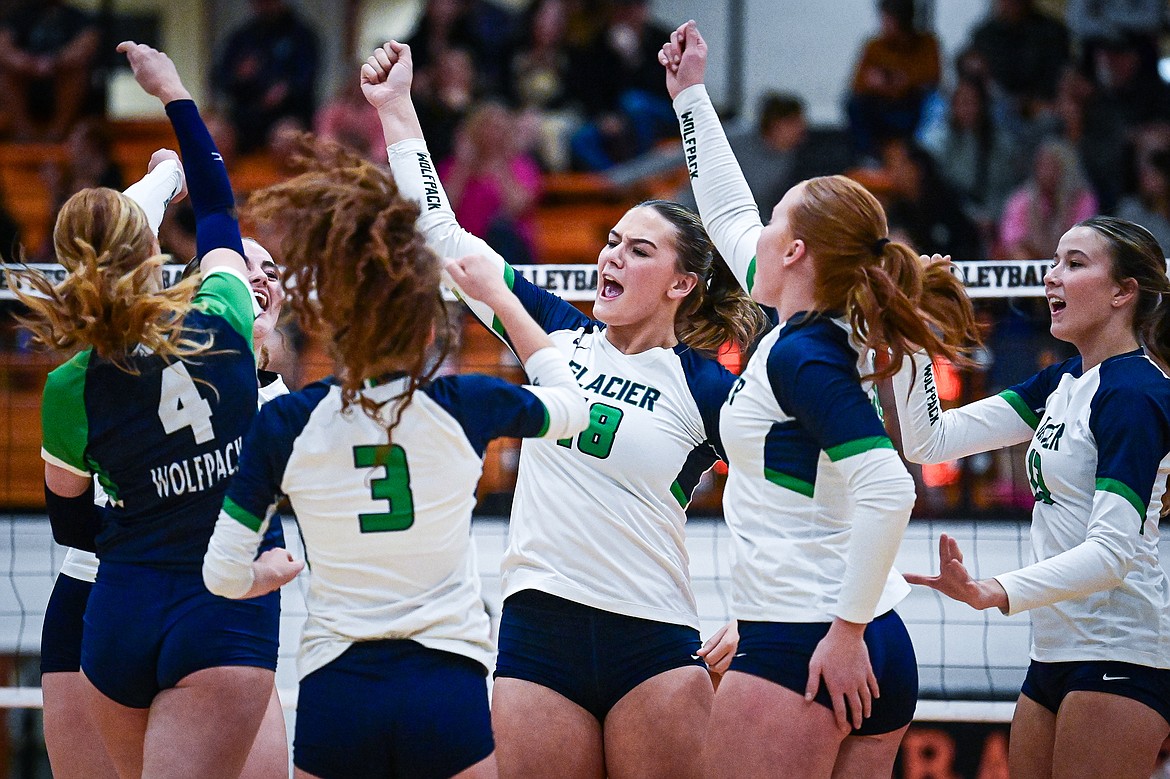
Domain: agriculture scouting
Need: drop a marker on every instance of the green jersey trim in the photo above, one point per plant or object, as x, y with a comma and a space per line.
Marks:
544, 425
799, 486
242, 515
64, 423
225, 293
1021, 408
677, 491
1123, 490
850, 448
751, 275
510, 280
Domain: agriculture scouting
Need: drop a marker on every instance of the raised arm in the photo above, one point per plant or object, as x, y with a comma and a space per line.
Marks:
163, 184
725, 202
217, 233
386, 79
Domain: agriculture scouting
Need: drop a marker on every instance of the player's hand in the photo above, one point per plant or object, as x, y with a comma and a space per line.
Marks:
167, 154
684, 57
272, 570
719, 649
954, 581
154, 72
478, 277
387, 75
842, 660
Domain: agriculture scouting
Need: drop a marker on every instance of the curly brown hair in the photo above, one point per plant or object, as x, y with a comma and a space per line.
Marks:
111, 300
356, 267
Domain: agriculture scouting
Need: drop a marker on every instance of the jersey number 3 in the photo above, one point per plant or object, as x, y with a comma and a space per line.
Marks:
394, 487
180, 404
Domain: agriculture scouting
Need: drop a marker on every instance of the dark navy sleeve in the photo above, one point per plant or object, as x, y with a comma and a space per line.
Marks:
816, 381
550, 312
1030, 397
266, 450
710, 383
487, 407
1131, 426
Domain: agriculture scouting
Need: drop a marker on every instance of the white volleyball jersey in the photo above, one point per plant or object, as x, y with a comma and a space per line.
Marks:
385, 521
597, 519
811, 469
1097, 463
83, 566
795, 427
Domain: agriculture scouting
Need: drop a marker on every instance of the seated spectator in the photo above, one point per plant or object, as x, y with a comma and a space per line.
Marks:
492, 183
538, 80
268, 72
1095, 24
924, 207
619, 82
779, 153
89, 162
443, 106
1049, 203
1150, 207
1135, 94
1098, 133
481, 28
1025, 51
978, 160
349, 120
897, 69
46, 49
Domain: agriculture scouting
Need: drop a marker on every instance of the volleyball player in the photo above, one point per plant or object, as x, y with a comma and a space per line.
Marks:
381, 466
155, 404
71, 739
599, 666
816, 498
1096, 698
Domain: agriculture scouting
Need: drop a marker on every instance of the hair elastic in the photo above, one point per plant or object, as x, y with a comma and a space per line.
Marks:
879, 245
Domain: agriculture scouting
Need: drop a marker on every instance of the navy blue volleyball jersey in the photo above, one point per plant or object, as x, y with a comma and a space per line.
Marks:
164, 442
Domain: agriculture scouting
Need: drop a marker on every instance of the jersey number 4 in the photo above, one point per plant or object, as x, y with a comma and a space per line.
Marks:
180, 404
597, 439
394, 487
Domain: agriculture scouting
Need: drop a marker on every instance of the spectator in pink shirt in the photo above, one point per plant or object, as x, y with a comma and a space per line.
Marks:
1049, 203
493, 182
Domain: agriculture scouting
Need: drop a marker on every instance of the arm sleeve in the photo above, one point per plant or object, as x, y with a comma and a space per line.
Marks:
64, 422
75, 521
883, 495
417, 180
488, 408
726, 204
1131, 434
931, 435
155, 191
248, 506
806, 385
208, 185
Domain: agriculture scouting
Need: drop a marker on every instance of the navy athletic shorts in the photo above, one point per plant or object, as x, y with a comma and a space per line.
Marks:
61, 633
1048, 683
147, 628
590, 656
393, 708
780, 652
